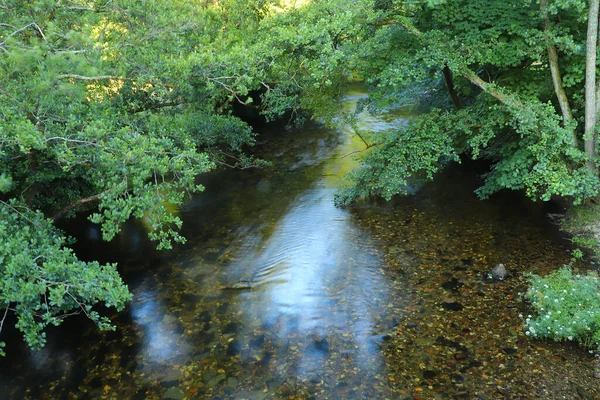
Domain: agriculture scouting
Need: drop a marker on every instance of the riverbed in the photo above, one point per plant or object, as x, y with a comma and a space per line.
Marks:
278, 294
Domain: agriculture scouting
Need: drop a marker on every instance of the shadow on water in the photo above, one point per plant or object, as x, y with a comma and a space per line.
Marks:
279, 294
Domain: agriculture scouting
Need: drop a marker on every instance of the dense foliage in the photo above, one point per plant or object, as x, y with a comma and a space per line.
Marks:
114, 108
493, 63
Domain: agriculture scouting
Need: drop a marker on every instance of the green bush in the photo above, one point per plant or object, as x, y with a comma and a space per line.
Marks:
566, 307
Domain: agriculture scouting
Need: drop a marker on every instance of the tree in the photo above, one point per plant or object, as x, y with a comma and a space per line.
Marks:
591, 136
107, 107
114, 108
516, 111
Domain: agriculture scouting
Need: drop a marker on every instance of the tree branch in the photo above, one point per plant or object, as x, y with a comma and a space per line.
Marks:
4, 317
107, 77
450, 86
30, 25
359, 151
491, 90
89, 78
77, 203
156, 106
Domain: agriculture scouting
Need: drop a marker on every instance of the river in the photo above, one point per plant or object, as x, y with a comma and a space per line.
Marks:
278, 294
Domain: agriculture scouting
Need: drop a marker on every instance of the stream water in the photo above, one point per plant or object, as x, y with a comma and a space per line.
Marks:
278, 294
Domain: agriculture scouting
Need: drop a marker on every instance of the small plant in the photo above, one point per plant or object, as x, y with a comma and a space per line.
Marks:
566, 307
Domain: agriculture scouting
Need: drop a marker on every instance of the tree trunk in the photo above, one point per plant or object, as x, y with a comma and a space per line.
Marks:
590, 136
450, 85
563, 100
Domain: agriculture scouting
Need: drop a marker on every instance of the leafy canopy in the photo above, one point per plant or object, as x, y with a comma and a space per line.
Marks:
507, 111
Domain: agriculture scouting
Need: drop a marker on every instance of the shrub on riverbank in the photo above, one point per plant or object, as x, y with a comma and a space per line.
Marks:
566, 307
582, 222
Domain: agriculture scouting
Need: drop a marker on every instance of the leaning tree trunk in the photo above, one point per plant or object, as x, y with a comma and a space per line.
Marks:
450, 86
563, 100
591, 138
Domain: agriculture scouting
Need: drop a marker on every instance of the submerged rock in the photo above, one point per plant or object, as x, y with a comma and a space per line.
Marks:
452, 306
174, 393
382, 338
428, 374
498, 273
239, 285
452, 284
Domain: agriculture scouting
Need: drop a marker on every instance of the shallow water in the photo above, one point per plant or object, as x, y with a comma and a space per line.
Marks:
279, 294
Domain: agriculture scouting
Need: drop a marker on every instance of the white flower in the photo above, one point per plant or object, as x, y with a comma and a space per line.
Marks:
570, 338
556, 300
527, 333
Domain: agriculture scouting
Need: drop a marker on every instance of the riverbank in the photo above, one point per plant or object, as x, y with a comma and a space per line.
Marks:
582, 223
462, 335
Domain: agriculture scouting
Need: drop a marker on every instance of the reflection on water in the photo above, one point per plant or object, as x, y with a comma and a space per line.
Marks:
315, 284
278, 293
149, 313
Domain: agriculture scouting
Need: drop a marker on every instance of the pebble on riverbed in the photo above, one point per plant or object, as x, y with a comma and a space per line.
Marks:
498, 273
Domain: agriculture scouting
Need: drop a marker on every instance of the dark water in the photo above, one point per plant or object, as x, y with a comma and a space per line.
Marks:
279, 294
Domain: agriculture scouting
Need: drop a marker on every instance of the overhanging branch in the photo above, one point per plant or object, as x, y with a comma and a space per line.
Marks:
77, 203
109, 77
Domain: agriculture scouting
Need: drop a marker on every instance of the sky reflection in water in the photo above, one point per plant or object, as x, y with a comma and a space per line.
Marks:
311, 319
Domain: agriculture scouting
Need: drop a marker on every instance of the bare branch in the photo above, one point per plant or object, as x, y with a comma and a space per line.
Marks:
359, 151
81, 51
227, 87
78, 7
89, 78
156, 106
72, 140
491, 90
4, 317
77, 203
107, 77
467, 73
30, 25
80, 306
17, 211
36, 26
